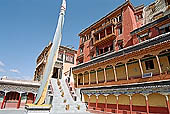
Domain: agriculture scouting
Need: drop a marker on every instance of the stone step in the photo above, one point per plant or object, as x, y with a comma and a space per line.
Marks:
70, 106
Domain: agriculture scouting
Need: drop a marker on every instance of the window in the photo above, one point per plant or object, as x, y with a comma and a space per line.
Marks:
38, 78
120, 30
60, 56
120, 18
102, 34
115, 20
85, 38
91, 57
169, 59
111, 47
107, 20
80, 61
96, 37
149, 65
101, 51
82, 39
161, 31
70, 58
81, 50
89, 36
120, 46
164, 29
106, 49
91, 43
114, 45
167, 29
139, 16
97, 51
109, 30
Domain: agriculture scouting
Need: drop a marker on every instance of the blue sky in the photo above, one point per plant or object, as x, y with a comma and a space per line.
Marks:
27, 26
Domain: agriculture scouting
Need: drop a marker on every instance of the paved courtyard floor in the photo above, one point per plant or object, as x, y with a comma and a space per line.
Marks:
22, 111
12, 111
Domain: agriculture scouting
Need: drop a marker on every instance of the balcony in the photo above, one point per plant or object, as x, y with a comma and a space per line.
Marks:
159, 40
81, 56
82, 44
107, 38
92, 48
110, 23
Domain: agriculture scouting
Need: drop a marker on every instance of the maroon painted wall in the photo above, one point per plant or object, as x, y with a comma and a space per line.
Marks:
126, 108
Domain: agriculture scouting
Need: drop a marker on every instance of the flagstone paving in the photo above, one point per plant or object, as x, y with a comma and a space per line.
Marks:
22, 111
12, 111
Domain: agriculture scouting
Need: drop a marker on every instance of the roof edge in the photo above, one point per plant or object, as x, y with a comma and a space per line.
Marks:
122, 5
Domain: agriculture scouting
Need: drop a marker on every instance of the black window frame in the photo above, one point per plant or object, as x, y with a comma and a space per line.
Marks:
169, 59
149, 65
120, 30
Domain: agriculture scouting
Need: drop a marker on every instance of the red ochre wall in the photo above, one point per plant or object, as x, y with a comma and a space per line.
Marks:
14, 103
30, 98
11, 104
110, 107
157, 103
129, 24
86, 51
153, 32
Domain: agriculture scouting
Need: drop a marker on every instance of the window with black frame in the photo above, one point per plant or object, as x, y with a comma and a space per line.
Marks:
60, 56
169, 59
70, 59
149, 64
120, 30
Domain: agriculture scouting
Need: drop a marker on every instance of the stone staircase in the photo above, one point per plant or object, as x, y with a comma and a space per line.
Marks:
63, 102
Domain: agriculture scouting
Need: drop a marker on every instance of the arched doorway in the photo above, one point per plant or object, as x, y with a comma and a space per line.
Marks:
57, 73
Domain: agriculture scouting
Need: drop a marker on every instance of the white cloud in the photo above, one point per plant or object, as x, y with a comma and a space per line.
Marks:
2, 70
1, 63
15, 71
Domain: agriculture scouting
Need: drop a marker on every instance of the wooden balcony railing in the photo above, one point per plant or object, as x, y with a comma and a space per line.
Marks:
105, 39
104, 26
131, 81
80, 56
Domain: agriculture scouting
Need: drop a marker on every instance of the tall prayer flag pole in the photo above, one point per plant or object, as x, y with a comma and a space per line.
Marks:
51, 58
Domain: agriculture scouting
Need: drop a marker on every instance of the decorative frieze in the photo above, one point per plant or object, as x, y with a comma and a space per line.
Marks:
18, 88
131, 90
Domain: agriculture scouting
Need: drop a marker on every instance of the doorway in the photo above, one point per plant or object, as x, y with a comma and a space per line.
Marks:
57, 73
